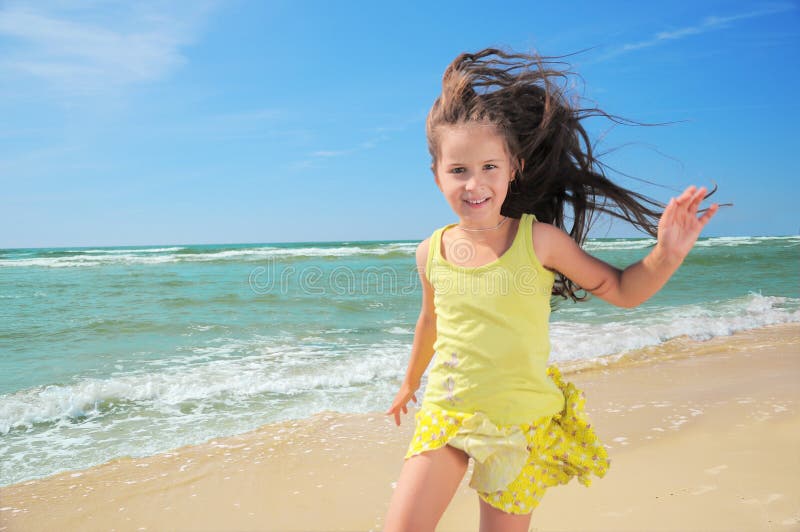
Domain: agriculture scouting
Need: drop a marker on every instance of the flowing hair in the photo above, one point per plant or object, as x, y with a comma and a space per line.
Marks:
521, 96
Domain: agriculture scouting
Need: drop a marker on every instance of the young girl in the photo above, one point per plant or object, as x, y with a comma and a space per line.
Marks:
507, 155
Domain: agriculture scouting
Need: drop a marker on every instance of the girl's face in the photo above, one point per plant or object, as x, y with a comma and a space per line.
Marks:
473, 166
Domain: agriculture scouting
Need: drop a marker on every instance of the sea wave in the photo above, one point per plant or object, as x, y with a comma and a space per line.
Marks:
592, 341
75, 258
207, 375
620, 244
710, 242
222, 372
92, 258
733, 241
229, 385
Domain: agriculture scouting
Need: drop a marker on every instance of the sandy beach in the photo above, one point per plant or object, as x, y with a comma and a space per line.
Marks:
701, 435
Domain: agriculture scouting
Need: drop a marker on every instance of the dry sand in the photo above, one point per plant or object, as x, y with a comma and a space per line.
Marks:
702, 436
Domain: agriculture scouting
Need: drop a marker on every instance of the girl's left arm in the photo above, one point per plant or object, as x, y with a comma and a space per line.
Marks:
678, 230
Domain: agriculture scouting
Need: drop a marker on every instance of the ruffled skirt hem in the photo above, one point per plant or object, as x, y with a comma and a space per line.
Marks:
515, 464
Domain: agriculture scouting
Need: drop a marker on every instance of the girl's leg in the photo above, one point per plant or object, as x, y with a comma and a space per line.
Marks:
494, 520
426, 485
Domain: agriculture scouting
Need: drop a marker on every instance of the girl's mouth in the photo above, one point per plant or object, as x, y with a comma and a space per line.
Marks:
477, 204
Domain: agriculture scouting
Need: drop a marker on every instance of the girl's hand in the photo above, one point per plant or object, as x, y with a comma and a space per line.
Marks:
401, 400
679, 225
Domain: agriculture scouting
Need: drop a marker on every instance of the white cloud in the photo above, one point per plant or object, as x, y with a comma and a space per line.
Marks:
710, 23
86, 50
331, 153
314, 159
366, 145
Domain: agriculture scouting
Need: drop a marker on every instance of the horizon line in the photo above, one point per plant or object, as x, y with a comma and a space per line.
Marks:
347, 241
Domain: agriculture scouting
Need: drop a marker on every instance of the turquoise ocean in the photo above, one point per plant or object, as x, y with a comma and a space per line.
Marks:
131, 351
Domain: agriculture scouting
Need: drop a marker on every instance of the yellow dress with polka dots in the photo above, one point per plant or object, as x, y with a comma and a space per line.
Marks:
490, 391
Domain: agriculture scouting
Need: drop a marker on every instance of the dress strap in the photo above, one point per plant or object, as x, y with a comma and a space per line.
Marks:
434, 245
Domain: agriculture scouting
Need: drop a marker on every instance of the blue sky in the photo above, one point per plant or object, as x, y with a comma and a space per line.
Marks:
135, 123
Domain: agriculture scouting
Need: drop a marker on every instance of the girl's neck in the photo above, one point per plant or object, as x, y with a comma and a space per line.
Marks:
498, 234
494, 227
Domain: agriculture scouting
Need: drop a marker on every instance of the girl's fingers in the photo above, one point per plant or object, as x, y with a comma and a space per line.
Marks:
687, 193
709, 213
688, 202
698, 198
396, 408
695, 206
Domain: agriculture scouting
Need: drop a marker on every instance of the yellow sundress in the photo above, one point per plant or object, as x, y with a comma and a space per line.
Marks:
490, 391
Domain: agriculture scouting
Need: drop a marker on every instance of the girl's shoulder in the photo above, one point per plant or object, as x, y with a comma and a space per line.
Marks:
424, 253
545, 238
423, 250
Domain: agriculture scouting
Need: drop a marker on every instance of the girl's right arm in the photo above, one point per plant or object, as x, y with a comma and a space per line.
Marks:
678, 230
424, 338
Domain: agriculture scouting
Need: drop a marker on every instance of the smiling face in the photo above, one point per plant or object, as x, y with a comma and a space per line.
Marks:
473, 170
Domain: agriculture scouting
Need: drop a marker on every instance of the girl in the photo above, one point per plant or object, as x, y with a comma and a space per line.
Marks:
507, 155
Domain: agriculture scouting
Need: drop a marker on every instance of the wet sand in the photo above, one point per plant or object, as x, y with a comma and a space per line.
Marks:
701, 435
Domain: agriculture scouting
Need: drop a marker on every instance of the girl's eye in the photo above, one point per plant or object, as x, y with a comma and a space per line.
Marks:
489, 167
457, 170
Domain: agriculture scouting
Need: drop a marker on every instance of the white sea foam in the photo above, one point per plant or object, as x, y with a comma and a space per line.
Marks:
210, 373
175, 254
597, 245
211, 392
721, 241
98, 257
571, 340
232, 370
75, 261
745, 240
230, 385
125, 250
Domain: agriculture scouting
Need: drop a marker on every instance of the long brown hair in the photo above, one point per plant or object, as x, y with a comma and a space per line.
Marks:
523, 96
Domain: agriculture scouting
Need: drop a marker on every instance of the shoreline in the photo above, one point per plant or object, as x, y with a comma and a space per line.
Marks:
684, 423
